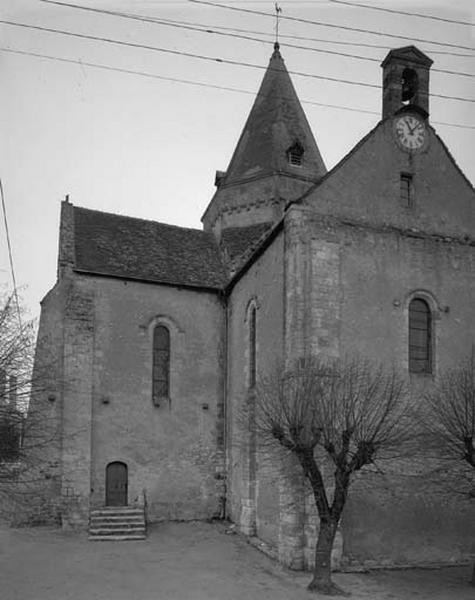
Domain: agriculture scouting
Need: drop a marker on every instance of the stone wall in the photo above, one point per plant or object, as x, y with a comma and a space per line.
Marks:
101, 331
174, 452
365, 187
79, 332
253, 499
37, 497
357, 281
258, 200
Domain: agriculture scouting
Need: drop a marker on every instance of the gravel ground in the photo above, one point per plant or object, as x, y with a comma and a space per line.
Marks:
186, 561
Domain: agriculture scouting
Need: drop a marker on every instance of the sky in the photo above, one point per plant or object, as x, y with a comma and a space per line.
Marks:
148, 145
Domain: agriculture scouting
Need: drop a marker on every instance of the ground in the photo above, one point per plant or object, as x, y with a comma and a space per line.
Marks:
186, 561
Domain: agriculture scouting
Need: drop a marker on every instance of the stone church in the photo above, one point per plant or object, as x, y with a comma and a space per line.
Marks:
159, 331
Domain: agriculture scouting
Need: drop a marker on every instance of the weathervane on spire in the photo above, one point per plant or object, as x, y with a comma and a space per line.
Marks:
278, 10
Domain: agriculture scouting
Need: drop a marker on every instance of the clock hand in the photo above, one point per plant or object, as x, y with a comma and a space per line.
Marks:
411, 129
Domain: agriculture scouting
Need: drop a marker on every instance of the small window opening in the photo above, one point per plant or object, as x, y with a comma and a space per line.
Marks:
420, 334
161, 364
295, 154
252, 347
409, 84
406, 191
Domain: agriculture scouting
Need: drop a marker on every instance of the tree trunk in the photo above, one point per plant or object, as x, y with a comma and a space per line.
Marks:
322, 581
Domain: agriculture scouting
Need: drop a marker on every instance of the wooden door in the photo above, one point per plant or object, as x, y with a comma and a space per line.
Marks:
116, 484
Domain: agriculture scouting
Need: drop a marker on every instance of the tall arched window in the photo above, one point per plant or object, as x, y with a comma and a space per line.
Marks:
161, 364
420, 343
252, 347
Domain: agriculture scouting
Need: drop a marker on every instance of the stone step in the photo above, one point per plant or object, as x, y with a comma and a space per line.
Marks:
116, 538
115, 507
113, 518
119, 525
117, 531
117, 511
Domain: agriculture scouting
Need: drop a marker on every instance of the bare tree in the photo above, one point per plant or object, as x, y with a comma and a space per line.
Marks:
449, 418
28, 430
348, 411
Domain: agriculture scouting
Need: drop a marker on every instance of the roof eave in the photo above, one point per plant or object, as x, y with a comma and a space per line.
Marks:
197, 287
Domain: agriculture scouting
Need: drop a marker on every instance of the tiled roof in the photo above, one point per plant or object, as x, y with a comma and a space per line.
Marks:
119, 246
275, 123
236, 241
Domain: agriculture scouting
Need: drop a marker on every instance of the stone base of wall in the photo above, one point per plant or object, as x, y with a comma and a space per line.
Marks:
34, 515
341, 564
247, 521
74, 512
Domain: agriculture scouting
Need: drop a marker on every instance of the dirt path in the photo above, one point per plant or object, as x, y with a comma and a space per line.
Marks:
178, 561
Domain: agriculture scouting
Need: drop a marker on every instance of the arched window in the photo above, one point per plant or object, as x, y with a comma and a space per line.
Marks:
420, 344
161, 364
252, 347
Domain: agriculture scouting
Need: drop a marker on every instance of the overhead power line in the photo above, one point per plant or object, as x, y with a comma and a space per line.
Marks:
304, 38
161, 20
402, 12
322, 23
212, 30
82, 63
10, 255
210, 58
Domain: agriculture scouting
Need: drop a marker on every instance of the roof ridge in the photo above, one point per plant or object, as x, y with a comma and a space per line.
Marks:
170, 225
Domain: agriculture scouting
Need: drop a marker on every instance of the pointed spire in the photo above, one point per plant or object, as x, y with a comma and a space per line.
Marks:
275, 124
275, 161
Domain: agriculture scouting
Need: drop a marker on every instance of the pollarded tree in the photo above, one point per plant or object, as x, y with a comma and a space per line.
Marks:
449, 417
349, 411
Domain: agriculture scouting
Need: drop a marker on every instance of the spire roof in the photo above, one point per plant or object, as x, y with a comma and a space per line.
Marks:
275, 124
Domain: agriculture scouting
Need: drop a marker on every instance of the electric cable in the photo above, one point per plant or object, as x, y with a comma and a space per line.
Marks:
210, 30
401, 12
321, 23
199, 83
210, 58
149, 19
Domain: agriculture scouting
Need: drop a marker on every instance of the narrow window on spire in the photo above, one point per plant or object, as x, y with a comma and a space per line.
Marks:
295, 154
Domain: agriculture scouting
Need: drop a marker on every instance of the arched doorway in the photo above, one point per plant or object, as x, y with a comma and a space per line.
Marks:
116, 484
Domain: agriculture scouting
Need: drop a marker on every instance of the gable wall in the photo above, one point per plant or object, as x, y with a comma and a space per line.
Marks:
366, 187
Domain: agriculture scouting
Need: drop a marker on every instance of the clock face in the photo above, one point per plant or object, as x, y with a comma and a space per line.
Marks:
410, 132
